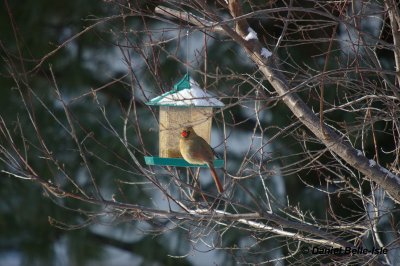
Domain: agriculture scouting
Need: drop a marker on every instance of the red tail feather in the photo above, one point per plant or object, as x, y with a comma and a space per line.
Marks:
216, 179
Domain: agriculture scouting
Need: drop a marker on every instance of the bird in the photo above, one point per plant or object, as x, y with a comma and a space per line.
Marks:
195, 150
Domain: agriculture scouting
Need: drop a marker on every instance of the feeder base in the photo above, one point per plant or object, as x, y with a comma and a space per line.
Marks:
178, 162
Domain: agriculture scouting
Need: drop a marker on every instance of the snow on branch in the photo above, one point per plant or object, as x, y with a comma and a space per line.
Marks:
252, 35
265, 52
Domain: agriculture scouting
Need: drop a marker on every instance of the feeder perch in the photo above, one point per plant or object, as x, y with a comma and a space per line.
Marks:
185, 105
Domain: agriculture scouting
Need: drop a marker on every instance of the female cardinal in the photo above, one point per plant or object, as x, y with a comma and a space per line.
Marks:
195, 150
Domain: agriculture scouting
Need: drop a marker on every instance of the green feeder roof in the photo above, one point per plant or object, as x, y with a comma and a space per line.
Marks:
186, 92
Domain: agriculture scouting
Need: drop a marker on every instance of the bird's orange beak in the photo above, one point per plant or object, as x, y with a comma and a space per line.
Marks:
184, 134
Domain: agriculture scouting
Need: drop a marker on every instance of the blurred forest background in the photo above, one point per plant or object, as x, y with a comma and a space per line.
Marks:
89, 64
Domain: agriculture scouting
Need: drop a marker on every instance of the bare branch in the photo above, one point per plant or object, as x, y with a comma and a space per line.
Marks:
387, 180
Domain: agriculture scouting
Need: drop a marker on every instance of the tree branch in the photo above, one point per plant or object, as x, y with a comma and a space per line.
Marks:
394, 17
376, 173
189, 18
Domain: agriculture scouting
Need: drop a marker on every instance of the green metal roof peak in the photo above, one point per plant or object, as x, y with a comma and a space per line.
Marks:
184, 83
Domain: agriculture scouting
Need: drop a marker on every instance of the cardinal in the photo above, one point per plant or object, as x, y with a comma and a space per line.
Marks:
195, 150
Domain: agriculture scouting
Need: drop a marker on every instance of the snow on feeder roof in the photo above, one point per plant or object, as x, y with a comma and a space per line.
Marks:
186, 92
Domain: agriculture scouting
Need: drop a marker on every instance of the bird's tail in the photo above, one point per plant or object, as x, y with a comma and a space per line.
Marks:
216, 179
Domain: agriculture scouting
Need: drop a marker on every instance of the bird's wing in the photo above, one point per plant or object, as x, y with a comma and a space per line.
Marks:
203, 150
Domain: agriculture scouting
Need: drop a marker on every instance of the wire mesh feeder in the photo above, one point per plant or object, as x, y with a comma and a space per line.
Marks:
185, 105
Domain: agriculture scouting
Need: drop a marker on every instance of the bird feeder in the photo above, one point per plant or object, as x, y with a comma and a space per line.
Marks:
185, 105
